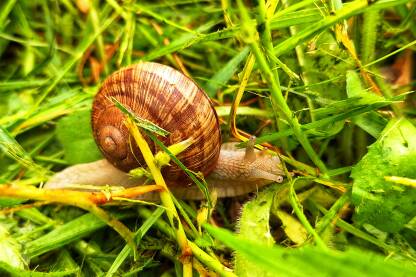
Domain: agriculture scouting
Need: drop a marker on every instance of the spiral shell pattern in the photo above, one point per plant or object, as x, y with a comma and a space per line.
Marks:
167, 98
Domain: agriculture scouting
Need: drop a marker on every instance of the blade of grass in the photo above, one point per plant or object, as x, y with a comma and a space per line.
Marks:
69, 232
276, 94
359, 233
348, 10
138, 235
369, 35
323, 223
81, 49
224, 75
391, 54
14, 150
302, 262
294, 202
321, 123
206, 259
245, 75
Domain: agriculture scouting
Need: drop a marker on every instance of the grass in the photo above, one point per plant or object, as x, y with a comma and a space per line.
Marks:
327, 85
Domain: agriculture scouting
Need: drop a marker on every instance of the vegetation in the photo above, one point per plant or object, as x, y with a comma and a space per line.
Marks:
326, 84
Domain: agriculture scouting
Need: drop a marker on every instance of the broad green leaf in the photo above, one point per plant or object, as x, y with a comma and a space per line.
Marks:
75, 134
311, 261
294, 230
10, 250
385, 204
254, 226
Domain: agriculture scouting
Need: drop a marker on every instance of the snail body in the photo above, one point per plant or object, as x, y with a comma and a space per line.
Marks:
166, 97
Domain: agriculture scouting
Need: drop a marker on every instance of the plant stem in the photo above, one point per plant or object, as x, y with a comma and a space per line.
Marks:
294, 202
332, 213
302, 64
83, 200
359, 233
165, 196
248, 67
209, 261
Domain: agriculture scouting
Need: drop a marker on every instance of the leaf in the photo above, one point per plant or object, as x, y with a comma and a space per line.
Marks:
371, 122
311, 261
294, 230
181, 42
9, 202
67, 233
64, 262
347, 11
385, 204
75, 134
353, 111
254, 226
139, 234
8, 270
294, 18
355, 89
10, 250
224, 75
11, 148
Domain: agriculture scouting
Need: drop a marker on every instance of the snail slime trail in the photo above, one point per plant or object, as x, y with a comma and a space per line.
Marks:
174, 102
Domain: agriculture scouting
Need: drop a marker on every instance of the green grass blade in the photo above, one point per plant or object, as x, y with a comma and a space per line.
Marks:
221, 78
67, 233
309, 261
139, 234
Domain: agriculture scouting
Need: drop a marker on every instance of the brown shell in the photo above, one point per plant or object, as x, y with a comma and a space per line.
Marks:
167, 98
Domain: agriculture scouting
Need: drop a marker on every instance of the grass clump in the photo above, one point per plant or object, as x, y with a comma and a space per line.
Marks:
328, 85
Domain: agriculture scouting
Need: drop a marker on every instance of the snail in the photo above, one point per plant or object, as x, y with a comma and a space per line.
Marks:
174, 102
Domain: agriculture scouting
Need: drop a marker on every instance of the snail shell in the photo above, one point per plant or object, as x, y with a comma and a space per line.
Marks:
169, 99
